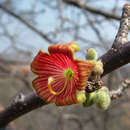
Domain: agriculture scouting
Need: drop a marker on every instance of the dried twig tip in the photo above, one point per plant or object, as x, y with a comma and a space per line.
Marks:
126, 5
126, 9
127, 81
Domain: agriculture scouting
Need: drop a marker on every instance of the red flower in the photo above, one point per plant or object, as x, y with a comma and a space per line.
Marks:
60, 76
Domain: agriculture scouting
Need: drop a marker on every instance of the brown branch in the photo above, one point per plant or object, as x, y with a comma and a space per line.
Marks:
22, 20
19, 106
122, 34
116, 58
83, 5
120, 51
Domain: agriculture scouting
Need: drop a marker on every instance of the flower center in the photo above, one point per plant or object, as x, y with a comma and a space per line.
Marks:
69, 74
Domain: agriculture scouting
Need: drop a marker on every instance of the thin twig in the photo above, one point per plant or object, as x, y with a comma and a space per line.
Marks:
22, 20
115, 94
83, 5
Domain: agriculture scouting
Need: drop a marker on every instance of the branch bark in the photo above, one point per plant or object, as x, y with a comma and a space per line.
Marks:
115, 58
20, 105
122, 34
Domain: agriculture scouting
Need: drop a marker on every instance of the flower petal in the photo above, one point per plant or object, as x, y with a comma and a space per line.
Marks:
38, 62
84, 68
41, 87
61, 48
68, 97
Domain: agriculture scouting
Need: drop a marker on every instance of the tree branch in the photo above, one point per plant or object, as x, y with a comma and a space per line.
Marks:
82, 4
122, 34
19, 106
115, 94
120, 51
22, 20
116, 58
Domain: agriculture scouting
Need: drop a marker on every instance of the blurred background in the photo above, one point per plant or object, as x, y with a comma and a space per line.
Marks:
29, 25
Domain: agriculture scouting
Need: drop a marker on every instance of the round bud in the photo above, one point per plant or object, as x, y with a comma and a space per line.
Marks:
98, 68
81, 97
102, 98
89, 99
91, 54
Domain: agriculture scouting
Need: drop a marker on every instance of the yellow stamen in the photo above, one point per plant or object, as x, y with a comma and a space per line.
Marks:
50, 81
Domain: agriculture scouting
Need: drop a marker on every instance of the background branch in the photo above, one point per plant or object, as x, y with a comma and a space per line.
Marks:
22, 20
82, 4
115, 94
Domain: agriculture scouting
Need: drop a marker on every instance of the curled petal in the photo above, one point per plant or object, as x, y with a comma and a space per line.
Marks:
61, 48
40, 85
39, 62
66, 49
85, 68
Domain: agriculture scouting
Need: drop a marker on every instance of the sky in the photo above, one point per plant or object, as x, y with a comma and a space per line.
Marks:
48, 21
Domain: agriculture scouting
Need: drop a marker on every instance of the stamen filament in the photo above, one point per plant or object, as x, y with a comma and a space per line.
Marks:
50, 81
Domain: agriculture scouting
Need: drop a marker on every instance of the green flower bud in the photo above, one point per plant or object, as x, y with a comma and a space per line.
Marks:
102, 98
81, 96
98, 69
91, 54
89, 101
